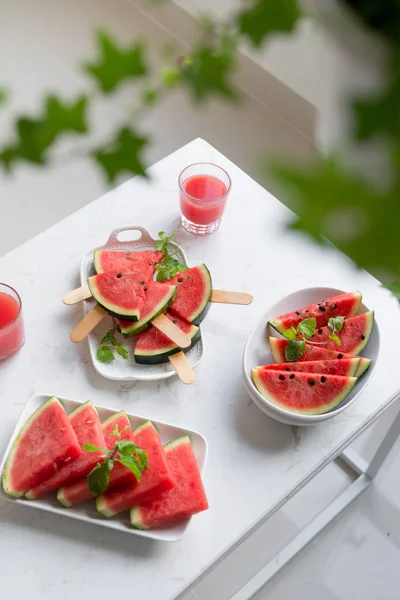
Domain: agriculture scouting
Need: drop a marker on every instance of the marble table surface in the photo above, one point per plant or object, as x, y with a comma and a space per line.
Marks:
254, 464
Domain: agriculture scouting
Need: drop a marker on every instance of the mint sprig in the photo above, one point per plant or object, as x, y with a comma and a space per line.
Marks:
336, 325
298, 336
124, 452
162, 243
105, 354
169, 266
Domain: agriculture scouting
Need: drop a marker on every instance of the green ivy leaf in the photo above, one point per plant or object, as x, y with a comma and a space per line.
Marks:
208, 74
294, 350
265, 17
116, 64
307, 327
123, 155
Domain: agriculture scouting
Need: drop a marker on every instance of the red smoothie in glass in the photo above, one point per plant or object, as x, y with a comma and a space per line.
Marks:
11, 325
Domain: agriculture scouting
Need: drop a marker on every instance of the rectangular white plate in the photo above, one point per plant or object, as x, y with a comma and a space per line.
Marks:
87, 511
120, 369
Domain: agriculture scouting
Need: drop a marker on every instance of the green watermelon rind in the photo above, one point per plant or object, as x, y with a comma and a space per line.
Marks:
363, 366
96, 261
138, 326
113, 309
319, 411
9, 462
62, 499
154, 357
135, 512
280, 328
143, 426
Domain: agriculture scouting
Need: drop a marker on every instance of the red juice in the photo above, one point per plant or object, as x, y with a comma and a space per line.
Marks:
203, 199
11, 323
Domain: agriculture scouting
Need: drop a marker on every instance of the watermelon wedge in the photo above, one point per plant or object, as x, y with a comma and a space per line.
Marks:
194, 288
303, 393
185, 499
141, 263
86, 424
155, 479
120, 294
45, 443
78, 492
158, 297
353, 337
153, 347
346, 367
345, 305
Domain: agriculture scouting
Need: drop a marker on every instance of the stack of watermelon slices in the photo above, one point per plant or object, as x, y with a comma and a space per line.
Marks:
48, 455
124, 286
320, 379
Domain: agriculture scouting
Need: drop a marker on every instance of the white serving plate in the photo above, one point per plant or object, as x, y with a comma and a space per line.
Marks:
87, 511
257, 352
128, 370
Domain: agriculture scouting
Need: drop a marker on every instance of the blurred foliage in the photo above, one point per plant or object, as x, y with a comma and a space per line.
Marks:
332, 203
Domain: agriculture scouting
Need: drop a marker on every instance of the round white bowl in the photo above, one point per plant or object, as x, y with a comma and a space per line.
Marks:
257, 352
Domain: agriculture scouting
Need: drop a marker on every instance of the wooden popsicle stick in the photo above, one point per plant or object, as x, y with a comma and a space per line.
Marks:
223, 297
87, 324
75, 296
183, 368
172, 332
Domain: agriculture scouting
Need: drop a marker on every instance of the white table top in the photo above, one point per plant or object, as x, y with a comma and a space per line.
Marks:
254, 462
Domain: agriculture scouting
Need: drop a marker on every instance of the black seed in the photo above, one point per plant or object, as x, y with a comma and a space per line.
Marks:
180, 279
362, 336
287, 369
119, 275
282, 377
297, 313
142, 282
311, 381
145, 288
306, 310
326, 303
333, 305
291, 376
340, 355
320, 331
322, 308
323, 379
174, 321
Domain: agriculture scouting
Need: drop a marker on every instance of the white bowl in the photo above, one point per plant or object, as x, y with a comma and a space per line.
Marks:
257, 352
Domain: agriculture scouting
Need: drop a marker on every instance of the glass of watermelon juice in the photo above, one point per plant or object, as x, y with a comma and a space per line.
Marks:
12, 333
204, 190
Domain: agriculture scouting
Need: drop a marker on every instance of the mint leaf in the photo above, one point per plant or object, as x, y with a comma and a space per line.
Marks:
290, 334
132, 464
122, 155
93, 448
104, 354
336, 324
107, 337
111, 339
99, 477
162, 243
335, 338
294, 350
307, 327
126, 447
169, 267
116, 64
121, 351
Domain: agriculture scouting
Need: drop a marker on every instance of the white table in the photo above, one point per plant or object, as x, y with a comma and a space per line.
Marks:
255, 464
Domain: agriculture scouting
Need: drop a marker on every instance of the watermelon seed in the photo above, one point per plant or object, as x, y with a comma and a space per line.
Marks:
311, 381
180, 280
340, 355
282, 377
142, 282
291, 376
287, 369
362, 336
307, 310
119, 275
320, 331
322, 308
323, 379
297, 313
174, 321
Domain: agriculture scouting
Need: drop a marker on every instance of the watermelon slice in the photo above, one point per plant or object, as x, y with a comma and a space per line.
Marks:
78, 492
353, 337
314, 353
185, 499
345, 305
45, 443
303, 393
346, 367
86, 424
153, 347
158, 297
121, 294
193, 295
155, 480
141, 263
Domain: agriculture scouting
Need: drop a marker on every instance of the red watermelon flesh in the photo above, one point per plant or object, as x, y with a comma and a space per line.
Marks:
121, 294
158, 297
45, 443
141, 263
346, 367
155, 479
345, 305
78, 492
86, 424
353, 337
303, 393
194, 288
185, 499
